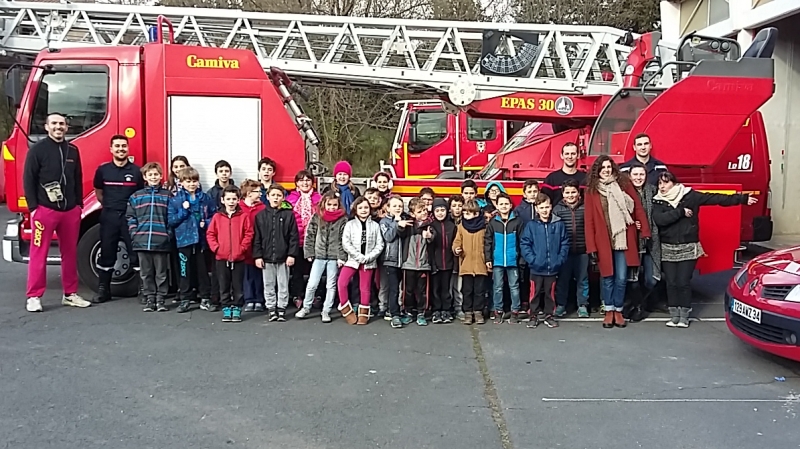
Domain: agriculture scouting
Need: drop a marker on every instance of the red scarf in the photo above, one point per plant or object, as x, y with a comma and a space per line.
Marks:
330, 217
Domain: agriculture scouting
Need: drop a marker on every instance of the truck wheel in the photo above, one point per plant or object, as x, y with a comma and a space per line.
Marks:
124, 281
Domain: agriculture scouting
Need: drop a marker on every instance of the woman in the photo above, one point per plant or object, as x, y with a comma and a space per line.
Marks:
612, 209
650, 250
304, 200
342, 186
675, 209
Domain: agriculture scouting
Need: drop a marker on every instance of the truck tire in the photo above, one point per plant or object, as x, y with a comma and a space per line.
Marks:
124, 282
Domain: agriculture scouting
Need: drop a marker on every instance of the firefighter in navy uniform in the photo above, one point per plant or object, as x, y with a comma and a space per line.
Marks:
114, 183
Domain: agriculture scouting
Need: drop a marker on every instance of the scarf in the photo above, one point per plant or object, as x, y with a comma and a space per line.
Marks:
474, 225
304, 206
620, 206
346, 195
674, 195
330, 217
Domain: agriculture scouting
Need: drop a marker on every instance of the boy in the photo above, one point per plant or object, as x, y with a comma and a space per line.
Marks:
416, 262
444, 231
570, 211
526, 211
148, 216
502, 254
266, 175
469, 190
253, 282
393, 222
223, 171
468, 247
190, 212
373, 197
275, 245
230, 235
426, 195
456, 205
456, 209
545, 244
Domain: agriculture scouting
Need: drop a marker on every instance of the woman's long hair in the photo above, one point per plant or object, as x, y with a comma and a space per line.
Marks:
171, 178
594, 173
330, 195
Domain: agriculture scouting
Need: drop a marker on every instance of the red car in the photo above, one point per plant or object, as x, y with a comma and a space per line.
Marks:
762, 303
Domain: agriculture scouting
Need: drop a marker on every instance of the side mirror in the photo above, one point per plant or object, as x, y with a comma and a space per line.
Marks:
412, 117
412, 135
13, 87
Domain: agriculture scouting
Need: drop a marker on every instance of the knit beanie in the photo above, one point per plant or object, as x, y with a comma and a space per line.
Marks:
439, 202
343, 167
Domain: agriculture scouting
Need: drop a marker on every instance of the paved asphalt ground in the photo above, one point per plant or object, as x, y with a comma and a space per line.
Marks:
113, 377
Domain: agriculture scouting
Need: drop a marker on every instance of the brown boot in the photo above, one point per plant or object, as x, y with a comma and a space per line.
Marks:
608, 320
467, 318
479, 318
619, 320
363, 314
347, 313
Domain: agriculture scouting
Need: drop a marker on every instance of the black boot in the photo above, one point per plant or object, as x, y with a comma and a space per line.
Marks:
103, 287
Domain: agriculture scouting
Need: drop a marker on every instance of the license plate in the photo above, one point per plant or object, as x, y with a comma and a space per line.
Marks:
751, 313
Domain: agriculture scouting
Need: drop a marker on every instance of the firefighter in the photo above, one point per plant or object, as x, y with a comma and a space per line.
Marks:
114, 183
643, 149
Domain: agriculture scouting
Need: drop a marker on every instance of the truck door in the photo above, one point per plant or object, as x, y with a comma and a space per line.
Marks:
430, 135
479, 140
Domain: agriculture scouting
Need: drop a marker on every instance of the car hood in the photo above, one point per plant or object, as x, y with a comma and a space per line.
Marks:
778, 267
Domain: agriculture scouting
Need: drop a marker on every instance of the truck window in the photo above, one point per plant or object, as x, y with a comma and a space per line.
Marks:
81, 96
481, 129
431, 127
616, 120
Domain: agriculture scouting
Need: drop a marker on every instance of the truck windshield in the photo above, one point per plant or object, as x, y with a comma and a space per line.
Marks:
491, 170
81, 96
615, 122
431, 127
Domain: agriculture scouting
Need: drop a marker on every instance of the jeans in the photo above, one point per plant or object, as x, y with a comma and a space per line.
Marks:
613, 288
679, 276
253, 285
576, 267
393, 277
647, 266
331, 270
513, 286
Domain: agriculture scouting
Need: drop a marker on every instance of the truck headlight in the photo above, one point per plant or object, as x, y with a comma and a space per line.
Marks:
794, 294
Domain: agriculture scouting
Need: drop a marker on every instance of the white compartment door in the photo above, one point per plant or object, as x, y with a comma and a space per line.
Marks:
207, 129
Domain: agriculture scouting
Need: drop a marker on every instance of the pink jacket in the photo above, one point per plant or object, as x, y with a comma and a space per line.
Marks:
293, 199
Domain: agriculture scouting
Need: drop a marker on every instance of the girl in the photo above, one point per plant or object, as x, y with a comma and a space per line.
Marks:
650, 250
173, 184
675, 210
383, 182
612, 208
342, 186
253, 283
178, 163
325, 251
362, 241
304, 200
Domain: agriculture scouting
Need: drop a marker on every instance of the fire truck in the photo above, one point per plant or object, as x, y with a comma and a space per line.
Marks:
220, 84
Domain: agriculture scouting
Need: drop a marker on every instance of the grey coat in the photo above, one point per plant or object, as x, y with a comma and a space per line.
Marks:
351, 241
394, 243
327, 239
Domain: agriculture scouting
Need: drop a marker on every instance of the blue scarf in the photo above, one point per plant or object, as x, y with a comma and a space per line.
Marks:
346, 196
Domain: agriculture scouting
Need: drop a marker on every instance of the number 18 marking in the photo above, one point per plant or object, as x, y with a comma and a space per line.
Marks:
742, 163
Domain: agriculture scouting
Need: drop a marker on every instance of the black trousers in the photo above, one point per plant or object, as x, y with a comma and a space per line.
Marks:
543, 294
524, 288
393, 276
442, 299
678, 276
211, 263
154, 273
415, 299
230, 277
297, 283
474, 293
113, 228
192, 273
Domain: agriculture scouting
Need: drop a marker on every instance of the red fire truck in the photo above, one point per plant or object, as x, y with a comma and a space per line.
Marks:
209, 100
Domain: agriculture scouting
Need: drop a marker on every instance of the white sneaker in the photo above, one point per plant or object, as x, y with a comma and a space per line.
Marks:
326, 317
302, 313
34, 304
74, 300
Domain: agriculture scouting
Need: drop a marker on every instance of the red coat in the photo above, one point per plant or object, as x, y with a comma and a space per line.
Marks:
251, 211
598, 238
230, 237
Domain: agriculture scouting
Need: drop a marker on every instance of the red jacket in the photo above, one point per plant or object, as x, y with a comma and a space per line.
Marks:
230, 237
251, 211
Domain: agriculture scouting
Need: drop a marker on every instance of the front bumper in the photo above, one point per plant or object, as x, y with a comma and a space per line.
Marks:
777, 334
17, 250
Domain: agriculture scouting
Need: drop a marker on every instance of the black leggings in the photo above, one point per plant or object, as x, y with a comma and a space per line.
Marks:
678, 276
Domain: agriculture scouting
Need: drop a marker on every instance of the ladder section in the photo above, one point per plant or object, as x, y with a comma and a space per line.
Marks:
468, 60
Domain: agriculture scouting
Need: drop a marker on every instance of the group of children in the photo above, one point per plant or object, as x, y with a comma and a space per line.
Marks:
464, 253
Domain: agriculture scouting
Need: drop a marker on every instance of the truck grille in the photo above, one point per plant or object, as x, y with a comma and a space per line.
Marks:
777, 292
763, 332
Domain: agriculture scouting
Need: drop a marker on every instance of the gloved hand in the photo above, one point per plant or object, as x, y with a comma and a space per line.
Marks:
593, 258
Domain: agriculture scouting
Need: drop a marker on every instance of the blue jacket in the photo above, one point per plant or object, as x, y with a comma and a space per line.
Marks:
147, 219
501, 241
186, 222
545, 246
526, 212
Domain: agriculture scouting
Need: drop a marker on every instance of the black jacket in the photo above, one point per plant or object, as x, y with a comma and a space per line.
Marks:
43, 165
675, 227
215, 193
574, 222
276, 237
442, 257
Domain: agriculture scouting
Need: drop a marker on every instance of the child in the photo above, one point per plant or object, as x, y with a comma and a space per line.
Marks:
570, 211
383, 182
468, 247
253, 281
275, 246
324, 249
456, 209
444, 231
304, 200
223, 171
266, 174
190, 212
416, 262
362, 241
177, 164
373, 197
469, 190
502, 256
391, 225
230, 235
489, 202
342, 186
426, 195
526, 211
173, 184
545, 244
148, 216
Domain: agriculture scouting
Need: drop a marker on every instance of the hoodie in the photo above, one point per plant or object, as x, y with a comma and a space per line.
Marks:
230, 236
501, 243
215, 192
276, 236
486, 204
186, 222
545, 245
444, 232
526, 211
251, 211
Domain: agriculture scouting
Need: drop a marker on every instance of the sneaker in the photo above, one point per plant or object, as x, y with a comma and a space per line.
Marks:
273, 315
33, 304
492, 316
533, 323
149, 306
396, 322
406, 319
461, 316
227, 314
204, 304
602, 309
184, 306
561, 311
326, 317
514, 318
74, 300
298, 303
421, 321
302, 313
497, 318
583, 312
213, 307
447, 318
258, 307
281, 315
236, 314
161, 307
550, 322
387, 316
250, 307
437, 318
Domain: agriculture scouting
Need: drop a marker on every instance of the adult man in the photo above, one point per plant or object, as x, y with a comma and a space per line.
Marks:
114, 183
643, 148
54, 194
569, 170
